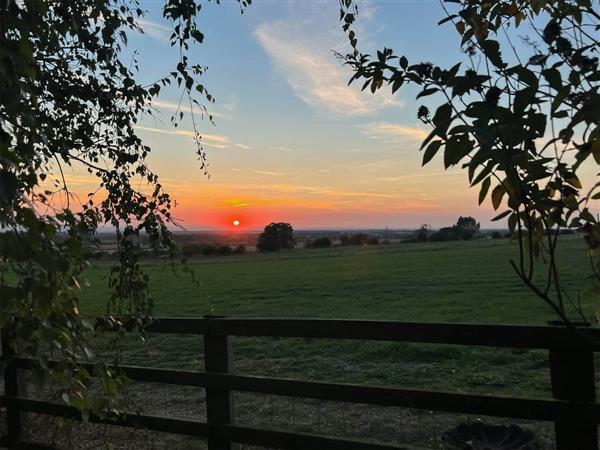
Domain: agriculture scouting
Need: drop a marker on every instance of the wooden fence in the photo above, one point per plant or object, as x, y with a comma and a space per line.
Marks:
571, 354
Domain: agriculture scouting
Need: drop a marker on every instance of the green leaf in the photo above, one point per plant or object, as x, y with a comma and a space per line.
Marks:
457, 147
553, 78
428, 139
397, 84
523, 99
596, 149
560, 97
485, 186
426, 92
442, 119
497, 195
560, 114
501, 215
484, 172
430, 152
574, 181
447, 19
525, 76
492, 51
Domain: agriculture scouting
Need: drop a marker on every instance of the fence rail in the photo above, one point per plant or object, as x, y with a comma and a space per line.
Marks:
571, 353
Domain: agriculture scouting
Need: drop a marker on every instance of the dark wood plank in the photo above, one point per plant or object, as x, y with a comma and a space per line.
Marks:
533, 409
219, 403
162, 424
542, 337
574, 379
298, 441
275, 438
14, 426
539, 337
524, 408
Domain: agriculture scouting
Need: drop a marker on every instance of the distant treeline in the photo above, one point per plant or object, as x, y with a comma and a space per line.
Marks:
345, 240
465, 228
212, 250
280, 236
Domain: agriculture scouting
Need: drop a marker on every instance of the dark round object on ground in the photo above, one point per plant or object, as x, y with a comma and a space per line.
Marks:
479, 436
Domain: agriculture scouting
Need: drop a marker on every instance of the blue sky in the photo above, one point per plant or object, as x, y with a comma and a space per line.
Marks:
292, 142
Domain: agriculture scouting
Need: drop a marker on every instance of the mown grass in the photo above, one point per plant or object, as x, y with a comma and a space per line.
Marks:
446, 282
451, 282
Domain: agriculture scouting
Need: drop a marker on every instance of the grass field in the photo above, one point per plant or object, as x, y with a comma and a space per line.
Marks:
460, 281
446, 282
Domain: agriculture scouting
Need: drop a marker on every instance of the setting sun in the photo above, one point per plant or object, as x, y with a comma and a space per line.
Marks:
236, 223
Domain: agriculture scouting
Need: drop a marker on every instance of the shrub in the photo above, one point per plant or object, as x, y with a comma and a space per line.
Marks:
355, 239
373, 241
445, 234
496, 235
209, 250
191, 250
224, 250
240, 249
422, 234
322, 242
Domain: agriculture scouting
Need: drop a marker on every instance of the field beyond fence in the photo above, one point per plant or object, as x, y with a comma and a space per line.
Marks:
571, 355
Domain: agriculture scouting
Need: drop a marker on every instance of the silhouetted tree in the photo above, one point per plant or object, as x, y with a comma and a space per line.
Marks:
466, 227
276, 236
422, 234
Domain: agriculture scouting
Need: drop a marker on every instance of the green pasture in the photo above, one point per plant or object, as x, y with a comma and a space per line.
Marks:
445, 282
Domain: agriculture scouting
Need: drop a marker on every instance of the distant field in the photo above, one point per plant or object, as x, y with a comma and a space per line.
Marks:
456, 281
445, 282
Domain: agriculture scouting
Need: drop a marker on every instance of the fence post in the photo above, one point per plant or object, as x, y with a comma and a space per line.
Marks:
573, 378
11, 389
219, 405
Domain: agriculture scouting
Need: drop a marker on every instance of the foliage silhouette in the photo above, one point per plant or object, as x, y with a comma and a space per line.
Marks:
275, 237
522, 122
70, 97
422, 234
322, 242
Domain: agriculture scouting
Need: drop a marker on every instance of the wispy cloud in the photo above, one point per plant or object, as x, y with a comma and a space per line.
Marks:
217, 141
418, 176
303, 55
214, 139
155, 30
269, 173
393, 131
185, 107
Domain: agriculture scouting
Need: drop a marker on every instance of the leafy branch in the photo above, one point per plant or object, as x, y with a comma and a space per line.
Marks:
493, 120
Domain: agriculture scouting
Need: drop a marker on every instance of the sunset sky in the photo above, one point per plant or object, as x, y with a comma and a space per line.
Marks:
291, 141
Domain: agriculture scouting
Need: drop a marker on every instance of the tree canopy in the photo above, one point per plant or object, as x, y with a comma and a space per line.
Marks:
521, 121
70, 97
275, 237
